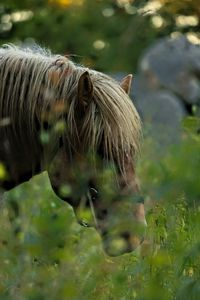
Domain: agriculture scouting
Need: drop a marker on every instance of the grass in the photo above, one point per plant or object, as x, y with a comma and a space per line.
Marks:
46, 254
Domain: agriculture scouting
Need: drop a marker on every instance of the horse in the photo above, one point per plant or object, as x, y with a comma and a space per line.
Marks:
72, 121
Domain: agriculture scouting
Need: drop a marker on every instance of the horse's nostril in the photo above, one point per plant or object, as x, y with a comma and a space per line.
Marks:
126, 235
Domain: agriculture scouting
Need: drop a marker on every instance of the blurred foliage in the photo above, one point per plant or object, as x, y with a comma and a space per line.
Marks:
184, 7
44, 253
106, 34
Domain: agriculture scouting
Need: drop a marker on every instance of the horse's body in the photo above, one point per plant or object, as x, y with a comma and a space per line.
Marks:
53, 114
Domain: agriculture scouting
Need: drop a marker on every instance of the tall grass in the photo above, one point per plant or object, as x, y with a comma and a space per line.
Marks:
45, 254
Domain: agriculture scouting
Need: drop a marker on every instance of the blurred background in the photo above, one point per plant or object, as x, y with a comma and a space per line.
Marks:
109, 35
156, 40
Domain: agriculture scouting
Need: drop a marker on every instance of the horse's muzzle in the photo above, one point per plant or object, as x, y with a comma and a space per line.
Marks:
123, 243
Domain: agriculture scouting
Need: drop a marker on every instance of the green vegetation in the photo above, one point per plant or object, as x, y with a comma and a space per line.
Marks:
45, 254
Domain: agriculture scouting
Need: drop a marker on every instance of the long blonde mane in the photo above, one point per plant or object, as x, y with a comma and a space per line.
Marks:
32, 82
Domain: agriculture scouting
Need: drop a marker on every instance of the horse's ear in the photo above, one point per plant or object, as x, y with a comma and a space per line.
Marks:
85, 90
126, 83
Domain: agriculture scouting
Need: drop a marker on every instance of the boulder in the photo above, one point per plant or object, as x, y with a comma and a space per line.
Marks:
173, 64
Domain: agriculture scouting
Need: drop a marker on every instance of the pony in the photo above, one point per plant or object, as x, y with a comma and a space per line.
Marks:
72, 122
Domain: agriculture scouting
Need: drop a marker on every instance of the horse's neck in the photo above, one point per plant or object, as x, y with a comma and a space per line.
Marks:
20, 160
24, 156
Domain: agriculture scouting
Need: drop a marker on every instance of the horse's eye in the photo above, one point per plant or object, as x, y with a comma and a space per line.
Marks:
93, 193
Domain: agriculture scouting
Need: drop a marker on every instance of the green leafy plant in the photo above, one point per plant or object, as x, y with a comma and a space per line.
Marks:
45, 253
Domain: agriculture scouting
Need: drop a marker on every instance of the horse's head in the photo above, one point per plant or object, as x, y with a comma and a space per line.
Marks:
97, 159
94, 152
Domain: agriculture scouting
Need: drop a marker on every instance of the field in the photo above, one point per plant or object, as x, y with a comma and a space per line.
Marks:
45, 254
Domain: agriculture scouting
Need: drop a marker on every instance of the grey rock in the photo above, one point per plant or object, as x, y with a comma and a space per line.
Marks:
161, 112
173, 64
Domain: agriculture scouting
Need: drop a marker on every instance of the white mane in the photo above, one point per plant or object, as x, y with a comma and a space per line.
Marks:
35, 82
